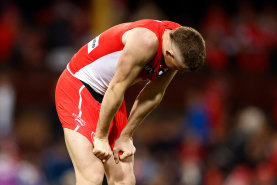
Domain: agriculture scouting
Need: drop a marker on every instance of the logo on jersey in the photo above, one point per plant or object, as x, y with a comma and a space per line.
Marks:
161, 71
150, 69
79, 119
93, 43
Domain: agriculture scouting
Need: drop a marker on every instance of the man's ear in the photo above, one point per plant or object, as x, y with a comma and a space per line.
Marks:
170, 53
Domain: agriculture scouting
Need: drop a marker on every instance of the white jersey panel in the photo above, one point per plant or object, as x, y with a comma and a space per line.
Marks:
99, 73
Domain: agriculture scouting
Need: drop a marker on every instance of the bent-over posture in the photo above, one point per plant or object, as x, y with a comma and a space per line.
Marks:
90, 93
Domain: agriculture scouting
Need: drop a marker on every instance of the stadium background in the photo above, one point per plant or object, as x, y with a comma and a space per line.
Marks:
214, 127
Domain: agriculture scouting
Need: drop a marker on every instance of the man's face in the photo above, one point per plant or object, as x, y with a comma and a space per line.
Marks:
175, 59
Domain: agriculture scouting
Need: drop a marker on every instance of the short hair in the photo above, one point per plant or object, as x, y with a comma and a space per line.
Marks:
191, 45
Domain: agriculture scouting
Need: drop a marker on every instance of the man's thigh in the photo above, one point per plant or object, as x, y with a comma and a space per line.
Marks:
88, 168
121, 173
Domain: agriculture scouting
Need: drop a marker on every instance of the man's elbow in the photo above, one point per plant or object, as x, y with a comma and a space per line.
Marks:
117, 89
158, 99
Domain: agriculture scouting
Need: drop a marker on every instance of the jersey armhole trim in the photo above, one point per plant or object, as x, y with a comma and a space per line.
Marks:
67, 67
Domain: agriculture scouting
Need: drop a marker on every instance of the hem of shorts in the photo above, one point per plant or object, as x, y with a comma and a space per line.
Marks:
73, 129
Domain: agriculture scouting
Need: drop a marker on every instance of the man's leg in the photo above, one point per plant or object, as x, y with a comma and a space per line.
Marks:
121, 173
89, 170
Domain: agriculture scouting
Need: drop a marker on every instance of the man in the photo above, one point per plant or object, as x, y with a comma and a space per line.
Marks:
89, 93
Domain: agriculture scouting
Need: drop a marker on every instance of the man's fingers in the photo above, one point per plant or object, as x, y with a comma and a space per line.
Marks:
103, 156
115, 154
125, 155
106, 158
97, 153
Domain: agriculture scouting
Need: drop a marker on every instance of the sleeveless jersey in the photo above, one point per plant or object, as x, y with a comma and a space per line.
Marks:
95, 63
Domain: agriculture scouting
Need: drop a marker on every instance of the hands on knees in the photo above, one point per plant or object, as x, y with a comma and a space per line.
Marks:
102, 149
123, 149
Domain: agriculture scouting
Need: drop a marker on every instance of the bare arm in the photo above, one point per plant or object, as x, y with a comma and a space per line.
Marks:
140, 47
149, 97
138, 50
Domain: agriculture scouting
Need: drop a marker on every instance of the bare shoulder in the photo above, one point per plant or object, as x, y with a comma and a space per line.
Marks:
141, 44
141, 36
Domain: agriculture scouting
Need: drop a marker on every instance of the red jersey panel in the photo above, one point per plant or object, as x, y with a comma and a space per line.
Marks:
95, 63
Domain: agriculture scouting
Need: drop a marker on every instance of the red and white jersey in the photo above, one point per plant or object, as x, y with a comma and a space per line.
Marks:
95, 63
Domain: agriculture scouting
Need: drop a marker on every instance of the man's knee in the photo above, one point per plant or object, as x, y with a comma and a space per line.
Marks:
130, 180
86, 179
126, 180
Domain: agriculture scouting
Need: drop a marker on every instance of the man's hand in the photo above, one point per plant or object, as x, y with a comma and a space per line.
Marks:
124, 145
102, 149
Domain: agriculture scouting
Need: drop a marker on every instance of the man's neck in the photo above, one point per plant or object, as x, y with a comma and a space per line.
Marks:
166, 39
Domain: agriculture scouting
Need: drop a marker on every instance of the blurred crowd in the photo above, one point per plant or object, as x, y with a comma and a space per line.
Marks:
214, 127
245, 42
